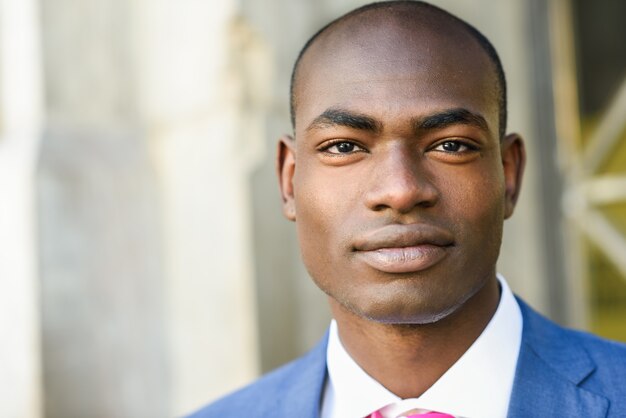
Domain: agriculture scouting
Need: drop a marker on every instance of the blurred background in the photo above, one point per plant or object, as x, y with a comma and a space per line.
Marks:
145, 267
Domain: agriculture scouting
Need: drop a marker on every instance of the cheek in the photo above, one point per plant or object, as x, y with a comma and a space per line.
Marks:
314, 211
485, 212
318, 219
325, 199
477, 204
486, 205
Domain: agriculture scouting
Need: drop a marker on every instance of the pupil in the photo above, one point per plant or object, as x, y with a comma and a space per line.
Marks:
451, 146
345, 147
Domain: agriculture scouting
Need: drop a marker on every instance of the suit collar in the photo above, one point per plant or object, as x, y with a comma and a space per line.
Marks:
550, 369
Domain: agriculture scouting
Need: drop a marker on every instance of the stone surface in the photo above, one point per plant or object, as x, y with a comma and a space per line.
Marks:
20, 124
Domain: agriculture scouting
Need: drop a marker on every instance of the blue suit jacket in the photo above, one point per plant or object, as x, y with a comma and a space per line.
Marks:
560, 373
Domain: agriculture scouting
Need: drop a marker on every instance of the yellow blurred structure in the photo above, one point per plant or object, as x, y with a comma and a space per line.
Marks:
590, 114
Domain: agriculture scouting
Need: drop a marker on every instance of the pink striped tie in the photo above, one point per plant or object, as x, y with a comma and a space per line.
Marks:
424, 415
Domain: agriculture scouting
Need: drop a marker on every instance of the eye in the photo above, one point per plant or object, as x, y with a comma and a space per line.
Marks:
453, 147
342, 147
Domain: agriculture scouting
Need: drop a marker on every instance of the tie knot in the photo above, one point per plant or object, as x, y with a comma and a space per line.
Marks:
413, 413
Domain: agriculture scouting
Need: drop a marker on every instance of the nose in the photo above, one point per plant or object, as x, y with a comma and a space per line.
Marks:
400, 182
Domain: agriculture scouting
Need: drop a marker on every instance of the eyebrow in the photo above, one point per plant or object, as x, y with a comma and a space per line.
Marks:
341, 117
332, 117
448, 117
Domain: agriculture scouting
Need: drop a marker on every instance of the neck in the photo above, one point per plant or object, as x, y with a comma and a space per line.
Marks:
409, 359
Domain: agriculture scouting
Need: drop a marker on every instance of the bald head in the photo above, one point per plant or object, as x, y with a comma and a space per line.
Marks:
429, 34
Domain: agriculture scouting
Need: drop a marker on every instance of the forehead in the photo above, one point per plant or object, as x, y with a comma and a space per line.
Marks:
395, 61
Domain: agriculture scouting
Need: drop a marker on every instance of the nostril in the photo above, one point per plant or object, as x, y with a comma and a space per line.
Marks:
426, 204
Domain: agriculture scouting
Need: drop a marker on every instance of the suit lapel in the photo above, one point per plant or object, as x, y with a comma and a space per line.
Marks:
550, 369
301, 393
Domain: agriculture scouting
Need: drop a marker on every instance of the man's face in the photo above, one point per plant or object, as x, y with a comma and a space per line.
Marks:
397, 179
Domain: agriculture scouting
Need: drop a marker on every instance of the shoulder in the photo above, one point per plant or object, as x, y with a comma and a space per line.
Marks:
609, 358
282, 389
571, 349
267, 388
542, 331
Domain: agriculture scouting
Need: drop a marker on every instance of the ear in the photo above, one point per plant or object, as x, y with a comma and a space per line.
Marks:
513, 162
286, 168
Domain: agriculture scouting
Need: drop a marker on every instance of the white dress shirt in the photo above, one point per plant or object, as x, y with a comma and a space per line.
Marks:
478, 385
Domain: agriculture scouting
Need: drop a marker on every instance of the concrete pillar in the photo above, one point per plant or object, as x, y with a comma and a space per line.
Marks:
202, 78
20, 123
104, 312
145, 237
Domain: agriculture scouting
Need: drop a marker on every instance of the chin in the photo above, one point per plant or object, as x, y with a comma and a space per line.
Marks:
397, 306
399, 311
417, 317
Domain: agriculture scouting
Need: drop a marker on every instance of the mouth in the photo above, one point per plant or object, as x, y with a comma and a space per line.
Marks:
403, 248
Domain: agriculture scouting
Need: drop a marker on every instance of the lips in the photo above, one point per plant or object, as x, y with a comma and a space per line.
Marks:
403, 248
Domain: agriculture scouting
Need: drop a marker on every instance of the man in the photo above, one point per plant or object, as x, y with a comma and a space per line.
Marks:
399, 177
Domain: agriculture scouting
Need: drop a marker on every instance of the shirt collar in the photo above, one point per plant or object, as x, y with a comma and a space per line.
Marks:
478, 385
